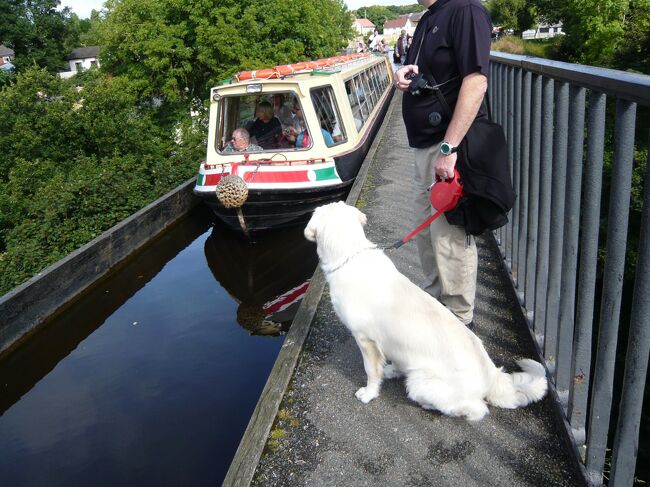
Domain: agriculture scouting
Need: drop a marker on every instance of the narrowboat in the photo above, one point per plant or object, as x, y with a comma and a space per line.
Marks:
284, 140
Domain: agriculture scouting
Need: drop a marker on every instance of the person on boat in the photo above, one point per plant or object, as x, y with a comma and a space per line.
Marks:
266, 129
302, 139
337, 133
240, 142
282, 110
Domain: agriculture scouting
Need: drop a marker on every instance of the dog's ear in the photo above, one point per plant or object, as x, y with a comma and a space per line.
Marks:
363, 219
310, 229
310, 232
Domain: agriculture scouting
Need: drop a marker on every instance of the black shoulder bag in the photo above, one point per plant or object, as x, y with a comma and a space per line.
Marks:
485, 174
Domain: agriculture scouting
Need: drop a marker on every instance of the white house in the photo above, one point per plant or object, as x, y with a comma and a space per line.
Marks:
7, 55
363, 27
81, 59
393, 28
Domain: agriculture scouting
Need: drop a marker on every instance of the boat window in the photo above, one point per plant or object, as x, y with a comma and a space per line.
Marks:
357, 97
259, 122
370, 88
329, 116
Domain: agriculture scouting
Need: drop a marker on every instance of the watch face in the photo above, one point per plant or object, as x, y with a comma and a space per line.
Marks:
445, 148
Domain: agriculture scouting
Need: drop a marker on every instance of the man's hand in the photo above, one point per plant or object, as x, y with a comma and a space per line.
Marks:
403, 76
444, 165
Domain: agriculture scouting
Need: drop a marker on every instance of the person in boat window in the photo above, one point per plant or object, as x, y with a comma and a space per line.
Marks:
338, 135
303, 139
266, 129
282, 110
240, 142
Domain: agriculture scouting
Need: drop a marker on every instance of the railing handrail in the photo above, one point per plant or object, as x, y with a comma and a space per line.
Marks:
563, 121
627, 85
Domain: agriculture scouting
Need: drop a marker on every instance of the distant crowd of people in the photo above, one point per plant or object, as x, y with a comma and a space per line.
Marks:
376, 44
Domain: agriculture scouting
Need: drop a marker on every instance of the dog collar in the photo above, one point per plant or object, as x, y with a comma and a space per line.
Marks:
346, 260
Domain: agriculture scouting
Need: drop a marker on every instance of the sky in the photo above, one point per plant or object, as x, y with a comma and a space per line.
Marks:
83, 7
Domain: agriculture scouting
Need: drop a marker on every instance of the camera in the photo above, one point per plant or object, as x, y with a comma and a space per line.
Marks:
419, 85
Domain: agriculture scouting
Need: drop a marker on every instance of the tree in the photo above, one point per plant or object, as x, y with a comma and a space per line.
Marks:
377, 14
35, 30
606, 33
175, 49
405, 9
74, 162
512, 14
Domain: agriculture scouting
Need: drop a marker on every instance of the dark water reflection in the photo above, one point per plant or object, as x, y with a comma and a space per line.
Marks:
150, 379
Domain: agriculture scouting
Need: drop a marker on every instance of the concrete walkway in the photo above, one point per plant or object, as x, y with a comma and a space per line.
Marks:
323, 436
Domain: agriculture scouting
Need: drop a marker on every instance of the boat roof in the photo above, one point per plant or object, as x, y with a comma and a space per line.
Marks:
345, 66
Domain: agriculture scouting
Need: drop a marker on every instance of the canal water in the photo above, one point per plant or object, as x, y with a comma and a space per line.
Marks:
151, 378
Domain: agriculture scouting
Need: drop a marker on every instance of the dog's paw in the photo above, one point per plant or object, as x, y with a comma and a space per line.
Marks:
391, 372
366, 395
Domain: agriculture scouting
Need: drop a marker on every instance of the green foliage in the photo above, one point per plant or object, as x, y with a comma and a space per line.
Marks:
36, 31
378, 15
544, 48
177, 49
75, 162
605, 33
406, 9
518, 15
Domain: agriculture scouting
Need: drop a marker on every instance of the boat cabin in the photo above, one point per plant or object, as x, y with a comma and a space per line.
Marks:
294, 128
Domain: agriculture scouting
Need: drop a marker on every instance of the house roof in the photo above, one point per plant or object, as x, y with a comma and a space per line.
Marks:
5, 51
396, 23
364, 23
417, 16
83, 53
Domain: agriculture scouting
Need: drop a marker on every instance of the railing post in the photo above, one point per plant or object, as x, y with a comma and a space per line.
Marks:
533, 197
516, 164
603, 381
591, 189
524, 171
636, 363
560, 135
510, 236
570, 241
544, 228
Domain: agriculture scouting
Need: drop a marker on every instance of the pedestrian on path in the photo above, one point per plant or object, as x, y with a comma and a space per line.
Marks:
450, 48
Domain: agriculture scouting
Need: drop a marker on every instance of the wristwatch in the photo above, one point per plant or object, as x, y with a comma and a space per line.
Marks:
446, 148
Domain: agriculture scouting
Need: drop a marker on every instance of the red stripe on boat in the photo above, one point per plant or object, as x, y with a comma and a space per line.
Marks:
277, 177
212, 179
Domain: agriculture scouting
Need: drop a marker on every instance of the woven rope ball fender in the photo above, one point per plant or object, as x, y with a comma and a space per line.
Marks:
232, 191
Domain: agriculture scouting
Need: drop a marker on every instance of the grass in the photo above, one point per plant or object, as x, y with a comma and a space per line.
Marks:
544, 48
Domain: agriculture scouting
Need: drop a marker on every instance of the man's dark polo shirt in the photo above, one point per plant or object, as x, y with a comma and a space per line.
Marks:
456, 43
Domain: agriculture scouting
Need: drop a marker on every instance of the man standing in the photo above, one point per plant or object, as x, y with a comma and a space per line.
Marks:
401, 47
451, 48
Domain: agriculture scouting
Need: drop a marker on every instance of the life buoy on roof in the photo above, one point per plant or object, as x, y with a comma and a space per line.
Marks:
303, 67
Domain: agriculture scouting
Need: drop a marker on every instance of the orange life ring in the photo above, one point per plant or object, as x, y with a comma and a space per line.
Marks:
288, 69
267, 73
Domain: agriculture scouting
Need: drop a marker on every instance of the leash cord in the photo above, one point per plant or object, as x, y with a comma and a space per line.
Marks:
417, 230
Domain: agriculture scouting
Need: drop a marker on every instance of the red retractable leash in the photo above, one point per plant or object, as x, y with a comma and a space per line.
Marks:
444, 196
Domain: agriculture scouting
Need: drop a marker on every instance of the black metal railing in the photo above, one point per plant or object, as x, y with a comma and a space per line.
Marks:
570, 287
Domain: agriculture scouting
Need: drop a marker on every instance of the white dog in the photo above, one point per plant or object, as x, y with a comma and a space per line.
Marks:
391, 319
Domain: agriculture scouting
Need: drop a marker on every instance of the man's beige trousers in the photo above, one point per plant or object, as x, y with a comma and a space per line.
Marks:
448, 258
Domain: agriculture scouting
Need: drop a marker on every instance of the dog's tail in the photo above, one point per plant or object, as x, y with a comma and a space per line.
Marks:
520, 388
